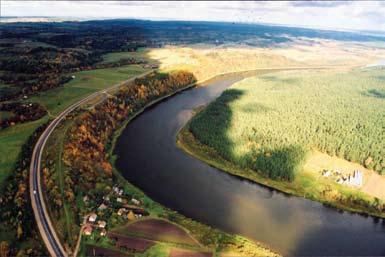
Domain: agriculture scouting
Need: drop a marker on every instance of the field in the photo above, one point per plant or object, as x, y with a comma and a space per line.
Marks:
184, 253
85, 83
11, 141
5, 115
159, 230
205, 61
93, 250
290, 126
56, 100
140, 54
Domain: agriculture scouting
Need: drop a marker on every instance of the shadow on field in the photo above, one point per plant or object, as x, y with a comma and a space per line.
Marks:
377, 93
211, 127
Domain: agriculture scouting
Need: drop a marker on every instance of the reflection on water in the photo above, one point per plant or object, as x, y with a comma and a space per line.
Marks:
149, 159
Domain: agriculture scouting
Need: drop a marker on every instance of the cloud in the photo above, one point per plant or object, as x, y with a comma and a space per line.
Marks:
323, 4
319, 14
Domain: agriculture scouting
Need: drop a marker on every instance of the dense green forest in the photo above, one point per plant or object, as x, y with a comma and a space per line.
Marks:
270, 123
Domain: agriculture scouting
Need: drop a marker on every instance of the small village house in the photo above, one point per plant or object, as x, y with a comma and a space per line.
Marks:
87, 230
134, 201
102, 207
102, 224
121, 211
92, 217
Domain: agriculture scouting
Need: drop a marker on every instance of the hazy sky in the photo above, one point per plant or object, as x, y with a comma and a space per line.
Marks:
369, 15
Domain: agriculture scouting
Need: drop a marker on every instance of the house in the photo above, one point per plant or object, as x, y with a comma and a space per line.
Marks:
103, 232
134, 201
119, 200
73, 76
117, 190
87, 230
102, 224
86, 199
121, 211
102, 207
92, 217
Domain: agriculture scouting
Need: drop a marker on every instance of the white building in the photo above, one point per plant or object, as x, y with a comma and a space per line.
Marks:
92, 217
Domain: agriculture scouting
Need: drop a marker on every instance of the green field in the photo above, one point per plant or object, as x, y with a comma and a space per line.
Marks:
140, 54
11, 141
270, 123
5, 115
85, 83
56, 100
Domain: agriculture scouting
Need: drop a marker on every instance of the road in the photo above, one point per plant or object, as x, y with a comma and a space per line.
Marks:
43, 220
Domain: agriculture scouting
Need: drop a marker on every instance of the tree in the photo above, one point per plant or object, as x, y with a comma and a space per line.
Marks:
4, 249
19, 231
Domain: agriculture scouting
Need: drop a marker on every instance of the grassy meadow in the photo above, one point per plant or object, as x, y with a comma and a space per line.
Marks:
267, 128
56, 100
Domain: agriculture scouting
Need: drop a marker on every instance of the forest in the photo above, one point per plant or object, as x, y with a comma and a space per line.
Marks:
86, 162
21, 112
270, 123
38, 56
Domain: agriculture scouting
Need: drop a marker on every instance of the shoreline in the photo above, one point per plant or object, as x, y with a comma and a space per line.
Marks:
184, 221
190, 145
118, 131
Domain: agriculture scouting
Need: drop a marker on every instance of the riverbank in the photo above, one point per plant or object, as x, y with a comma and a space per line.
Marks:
137, 100
205, 235
188, 143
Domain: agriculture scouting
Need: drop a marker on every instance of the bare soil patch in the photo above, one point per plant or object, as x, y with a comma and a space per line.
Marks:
99, 251
175, 252
160, 230
373, 183
130, 244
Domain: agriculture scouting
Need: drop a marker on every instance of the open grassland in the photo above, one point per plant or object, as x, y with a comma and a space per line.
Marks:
140, 54
56, 100
5, 115
205, 61
272, 128
11, 141
85, 83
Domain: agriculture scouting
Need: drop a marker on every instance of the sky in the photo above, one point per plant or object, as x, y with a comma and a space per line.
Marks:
350, 15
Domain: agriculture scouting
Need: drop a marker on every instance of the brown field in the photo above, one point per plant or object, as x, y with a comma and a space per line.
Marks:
159, 230
206, 61
175, 252
99, 251
131, 244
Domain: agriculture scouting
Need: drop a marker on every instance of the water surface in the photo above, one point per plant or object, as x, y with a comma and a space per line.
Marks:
148, 158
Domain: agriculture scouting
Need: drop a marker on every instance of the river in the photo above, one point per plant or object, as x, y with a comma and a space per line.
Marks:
149, 159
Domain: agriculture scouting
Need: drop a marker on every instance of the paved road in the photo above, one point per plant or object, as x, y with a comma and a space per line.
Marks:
43, 220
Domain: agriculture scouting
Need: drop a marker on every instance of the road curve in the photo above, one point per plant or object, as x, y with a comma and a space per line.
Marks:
43, 220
